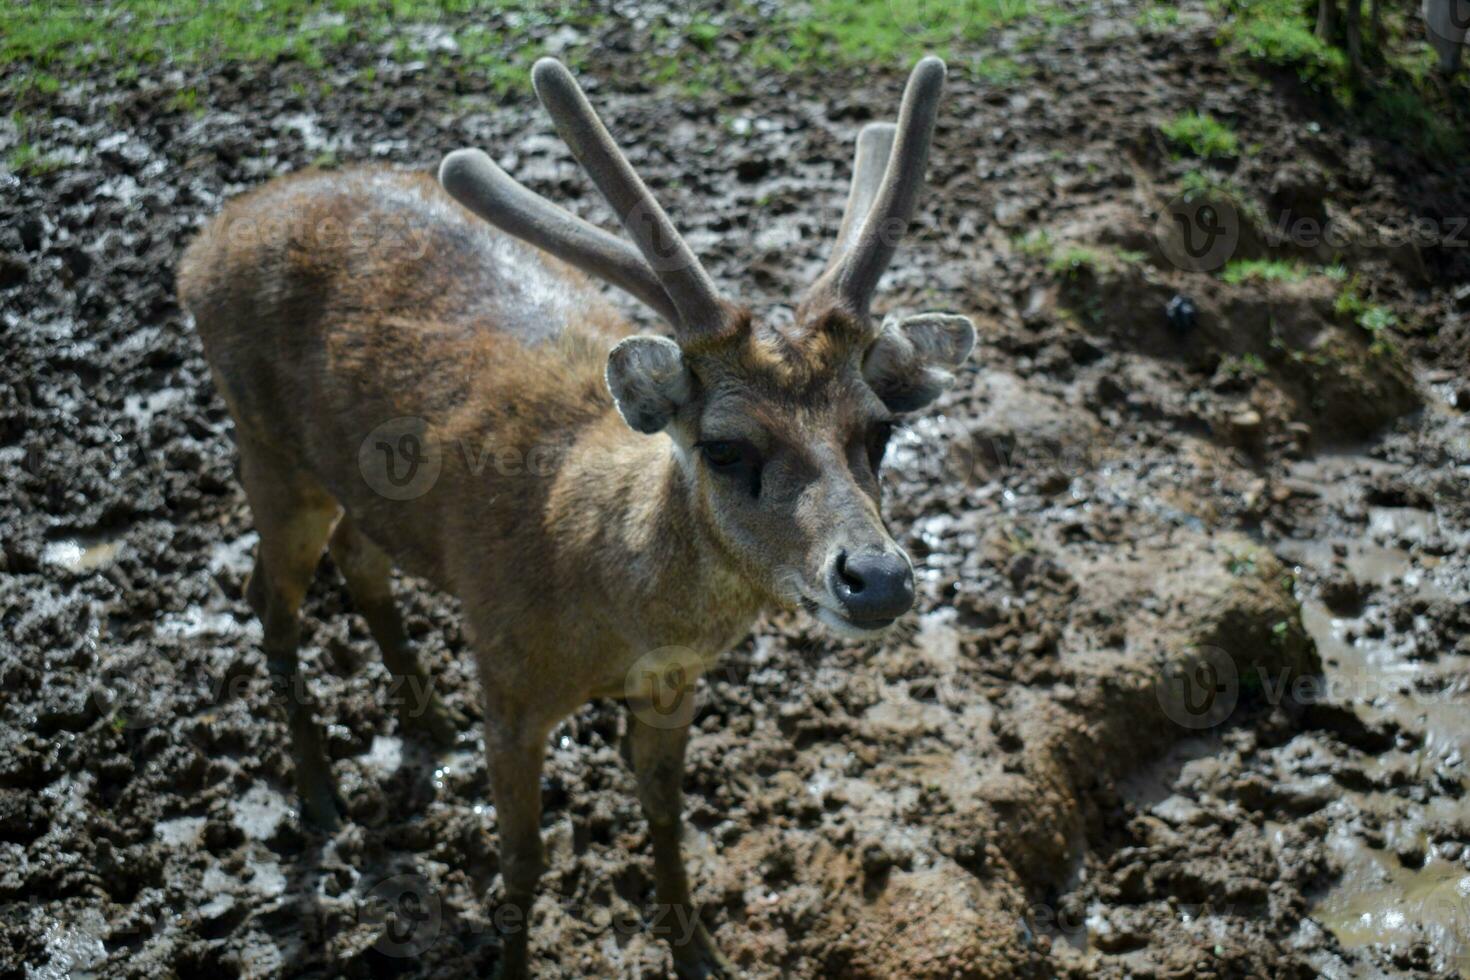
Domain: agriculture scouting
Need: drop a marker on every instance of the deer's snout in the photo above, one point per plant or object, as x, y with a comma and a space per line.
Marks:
873, 587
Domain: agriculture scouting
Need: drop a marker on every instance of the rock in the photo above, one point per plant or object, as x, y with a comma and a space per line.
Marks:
1182, 315
1296, 202
14, 270
1108, 391
1410, 853
752, 169
1344, 594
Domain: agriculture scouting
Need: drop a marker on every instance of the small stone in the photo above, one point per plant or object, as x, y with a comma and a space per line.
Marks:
1181, 314
1344, 595
14, 270
1410, 854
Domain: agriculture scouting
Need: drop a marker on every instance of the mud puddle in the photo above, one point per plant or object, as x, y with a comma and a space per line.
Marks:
1401, 845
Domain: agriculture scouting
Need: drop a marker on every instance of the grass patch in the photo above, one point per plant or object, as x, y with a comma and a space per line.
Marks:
999, 70
55, 37
1263, 270
28, 161
1400, 103
1372, 317
1202, 135
883, 31
1070, 257
1279, 32
1157, 18
70, 35
1375, 319
1247, 365
1196, 184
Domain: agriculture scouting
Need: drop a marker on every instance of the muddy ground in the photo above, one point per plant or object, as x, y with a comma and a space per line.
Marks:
1185, 694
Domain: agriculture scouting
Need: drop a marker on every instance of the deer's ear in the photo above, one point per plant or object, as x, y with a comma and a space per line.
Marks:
913, 359
649, 381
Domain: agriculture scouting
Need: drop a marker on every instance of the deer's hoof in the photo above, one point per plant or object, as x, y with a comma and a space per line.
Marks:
701, 959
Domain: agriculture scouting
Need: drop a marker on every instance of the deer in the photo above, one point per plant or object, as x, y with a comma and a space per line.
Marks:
686, 483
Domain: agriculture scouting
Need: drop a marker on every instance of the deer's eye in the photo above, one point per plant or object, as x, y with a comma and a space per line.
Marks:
734, 458
878, 437
722, 455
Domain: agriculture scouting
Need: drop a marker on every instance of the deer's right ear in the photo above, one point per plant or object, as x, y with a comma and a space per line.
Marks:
649, 381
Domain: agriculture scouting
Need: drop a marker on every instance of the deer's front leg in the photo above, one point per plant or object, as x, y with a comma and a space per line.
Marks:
658, 761
515, 758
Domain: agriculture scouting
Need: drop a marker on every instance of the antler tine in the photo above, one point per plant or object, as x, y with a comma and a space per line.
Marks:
874, 144
854, 278
684, 279
473, 179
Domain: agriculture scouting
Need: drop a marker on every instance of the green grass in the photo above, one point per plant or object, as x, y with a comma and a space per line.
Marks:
59, 36
1280, 32
25, 159
1398, 101
1208, 184
1202, 135
1070, 257
1263, 270
1372, 317
1157, 18
55, 37
885, 31
1249, 364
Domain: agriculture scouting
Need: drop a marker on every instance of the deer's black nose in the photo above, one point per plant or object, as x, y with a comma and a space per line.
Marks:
874, 588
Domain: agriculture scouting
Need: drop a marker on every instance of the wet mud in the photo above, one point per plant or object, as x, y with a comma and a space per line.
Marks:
1185, 693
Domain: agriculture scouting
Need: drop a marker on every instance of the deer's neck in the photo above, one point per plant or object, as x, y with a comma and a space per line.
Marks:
626, 503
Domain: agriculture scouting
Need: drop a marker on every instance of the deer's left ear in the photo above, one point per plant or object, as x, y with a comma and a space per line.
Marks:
912, 361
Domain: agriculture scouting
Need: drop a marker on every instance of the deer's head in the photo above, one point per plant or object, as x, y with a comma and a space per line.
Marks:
780, 431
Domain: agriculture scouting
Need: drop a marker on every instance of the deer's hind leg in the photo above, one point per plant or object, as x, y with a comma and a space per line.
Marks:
367, 570
293, 516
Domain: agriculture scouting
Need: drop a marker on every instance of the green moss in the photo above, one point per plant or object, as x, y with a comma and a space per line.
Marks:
1157, 17
1279, 32
1263, 270
1202, 135
1402, 101
1247, 365
27, 160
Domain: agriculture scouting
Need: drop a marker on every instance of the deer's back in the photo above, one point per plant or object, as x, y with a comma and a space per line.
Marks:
331, 303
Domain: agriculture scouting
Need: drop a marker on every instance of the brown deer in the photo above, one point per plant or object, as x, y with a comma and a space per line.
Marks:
682, 486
